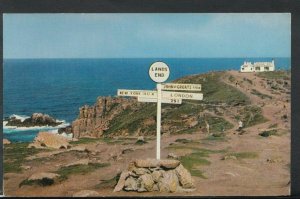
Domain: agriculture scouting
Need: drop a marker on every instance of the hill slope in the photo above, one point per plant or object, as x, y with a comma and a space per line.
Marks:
228, 98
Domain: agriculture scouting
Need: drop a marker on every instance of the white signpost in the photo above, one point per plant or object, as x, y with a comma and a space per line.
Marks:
159, 72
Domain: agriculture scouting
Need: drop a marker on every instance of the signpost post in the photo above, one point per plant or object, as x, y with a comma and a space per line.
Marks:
159, 72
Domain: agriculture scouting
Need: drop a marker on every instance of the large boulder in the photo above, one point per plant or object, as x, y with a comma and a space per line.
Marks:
169, 164
146, 183
184, 177
6, 141
121, 182
46, 139
131, 184
147, 163
169, 182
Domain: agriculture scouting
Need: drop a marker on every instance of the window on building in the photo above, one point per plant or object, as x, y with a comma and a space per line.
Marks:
257, 68
266, 68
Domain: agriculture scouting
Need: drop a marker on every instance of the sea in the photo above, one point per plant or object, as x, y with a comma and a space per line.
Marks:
59, 87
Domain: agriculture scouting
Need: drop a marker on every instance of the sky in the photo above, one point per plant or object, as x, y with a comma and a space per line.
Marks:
162, 35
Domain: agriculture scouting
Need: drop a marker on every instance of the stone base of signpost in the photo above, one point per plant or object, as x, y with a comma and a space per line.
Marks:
155, 175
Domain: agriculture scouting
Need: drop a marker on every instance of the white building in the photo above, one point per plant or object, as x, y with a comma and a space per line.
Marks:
258, 66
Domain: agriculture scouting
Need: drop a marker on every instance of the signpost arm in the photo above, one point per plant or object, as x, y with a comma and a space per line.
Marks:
158, 122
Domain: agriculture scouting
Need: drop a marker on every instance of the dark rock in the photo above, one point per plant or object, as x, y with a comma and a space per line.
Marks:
67, 130
36, 119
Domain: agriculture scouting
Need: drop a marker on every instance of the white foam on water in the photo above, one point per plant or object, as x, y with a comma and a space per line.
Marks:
20, 117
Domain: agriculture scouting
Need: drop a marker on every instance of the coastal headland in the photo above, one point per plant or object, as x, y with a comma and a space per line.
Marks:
223, 159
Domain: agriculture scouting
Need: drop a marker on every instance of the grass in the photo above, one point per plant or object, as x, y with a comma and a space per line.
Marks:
64, 172
251, 115
192, 160
184, 141
231, 79
198, 173
268, 133
243, 155
93, 140
214, 138
110, 183
132, 120
280, 74
196, 158
214, 90
15, 155
85, 140
216, 124
261, 95
273, 125
176, 113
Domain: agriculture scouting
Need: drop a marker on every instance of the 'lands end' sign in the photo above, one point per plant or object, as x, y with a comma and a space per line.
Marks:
159, 72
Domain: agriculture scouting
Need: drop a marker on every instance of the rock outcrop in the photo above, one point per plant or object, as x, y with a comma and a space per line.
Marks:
46, 139
94, 120
6, 141
155, 175
36, 119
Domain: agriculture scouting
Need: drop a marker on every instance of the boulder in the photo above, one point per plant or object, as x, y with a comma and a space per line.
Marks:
156, 175
43, 178
169, 182
140, 171
86, 193
184, 177
6, 141
146, 183
131, 184
46, 139
141, 138
169, 164
121, 181
147, 163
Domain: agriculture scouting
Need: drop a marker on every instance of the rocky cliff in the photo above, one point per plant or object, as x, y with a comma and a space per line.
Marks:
114, 116
94, 120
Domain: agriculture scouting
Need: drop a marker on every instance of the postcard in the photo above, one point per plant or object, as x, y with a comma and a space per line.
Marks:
147, 104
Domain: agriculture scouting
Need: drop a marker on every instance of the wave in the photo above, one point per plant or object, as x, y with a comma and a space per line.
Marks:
19, 117
13, 129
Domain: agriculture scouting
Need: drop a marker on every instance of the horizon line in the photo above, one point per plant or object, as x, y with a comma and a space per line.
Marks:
142, 57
